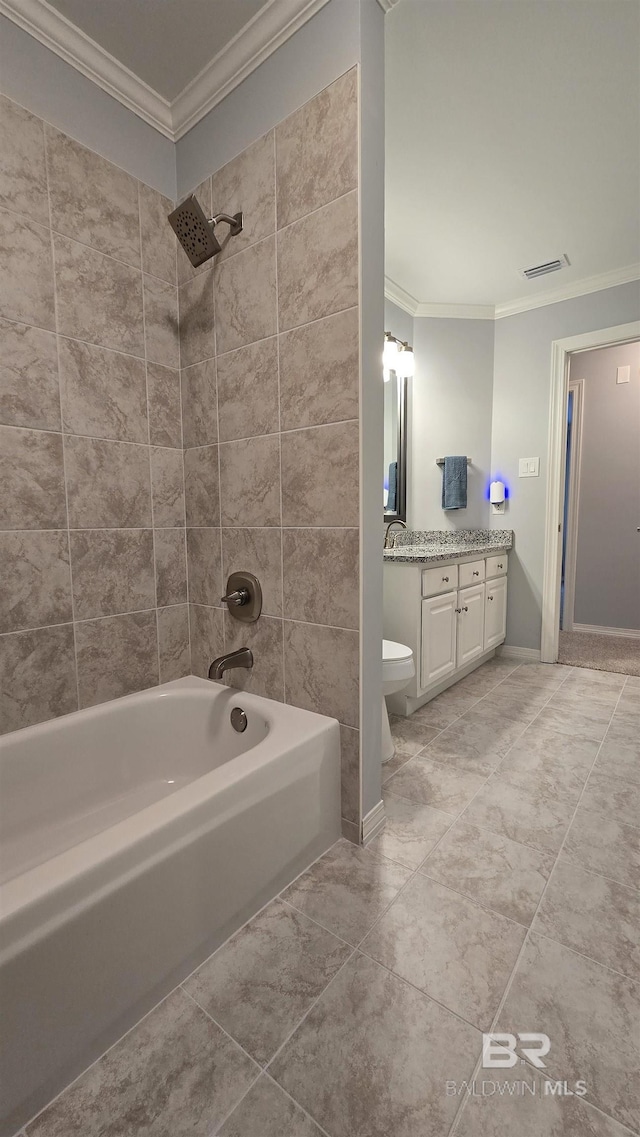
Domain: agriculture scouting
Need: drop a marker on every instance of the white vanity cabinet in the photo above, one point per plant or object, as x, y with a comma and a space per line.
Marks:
452, 615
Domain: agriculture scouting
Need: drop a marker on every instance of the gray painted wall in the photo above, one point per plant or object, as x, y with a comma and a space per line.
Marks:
321, 51
452, 407
607, 590
44, 84
522, 383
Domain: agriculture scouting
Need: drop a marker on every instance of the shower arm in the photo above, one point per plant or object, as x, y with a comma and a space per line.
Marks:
234, 223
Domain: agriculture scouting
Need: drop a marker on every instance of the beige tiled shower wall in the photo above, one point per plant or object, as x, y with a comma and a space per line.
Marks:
269, 340
93, 589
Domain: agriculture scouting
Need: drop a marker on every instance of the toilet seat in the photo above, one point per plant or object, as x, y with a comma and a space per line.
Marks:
393, 652
397, 666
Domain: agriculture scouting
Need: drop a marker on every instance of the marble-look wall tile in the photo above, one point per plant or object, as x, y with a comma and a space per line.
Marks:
258, 551
116, 656
35, 585
207, 637
245, 290
350, 773
171, 567
199, 407
23, 175
159, 243
32, 480
202, 486
321, 572
107, 484
322, 670
26, 271
248, 391
163, 390
320, 476
173, 643
320, 371
98, 298
103, 393
186, 270
205, 566
161, 333
247, 183
195, 303
250, 481
318, 263
112, 571
92, 200
264, 639
29, 393
37, 676
167, 485
317, 150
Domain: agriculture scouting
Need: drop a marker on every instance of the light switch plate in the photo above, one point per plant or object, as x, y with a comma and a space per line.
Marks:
529, 468
623, 374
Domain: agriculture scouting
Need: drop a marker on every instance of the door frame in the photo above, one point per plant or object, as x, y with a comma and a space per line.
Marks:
560, 352
573, 504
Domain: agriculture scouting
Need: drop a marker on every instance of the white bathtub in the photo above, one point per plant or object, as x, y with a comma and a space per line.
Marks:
137, 836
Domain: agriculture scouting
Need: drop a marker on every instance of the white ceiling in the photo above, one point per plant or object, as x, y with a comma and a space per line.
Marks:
512, 136
166, 43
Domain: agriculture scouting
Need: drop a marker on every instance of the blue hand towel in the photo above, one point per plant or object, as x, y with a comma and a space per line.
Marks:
393, 481
454, 482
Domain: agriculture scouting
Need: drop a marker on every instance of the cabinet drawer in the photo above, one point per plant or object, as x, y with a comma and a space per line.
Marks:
439, 579
471, 573
497, 566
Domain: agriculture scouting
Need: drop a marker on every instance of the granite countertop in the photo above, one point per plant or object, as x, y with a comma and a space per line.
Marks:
425, 547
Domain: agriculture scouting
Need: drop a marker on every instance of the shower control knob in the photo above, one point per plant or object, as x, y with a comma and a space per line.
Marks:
240, 596
243, 597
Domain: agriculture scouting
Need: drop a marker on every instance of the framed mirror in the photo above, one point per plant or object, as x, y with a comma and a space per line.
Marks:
395, 447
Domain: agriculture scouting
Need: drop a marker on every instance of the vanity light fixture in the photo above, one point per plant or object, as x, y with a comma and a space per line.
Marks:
397, 356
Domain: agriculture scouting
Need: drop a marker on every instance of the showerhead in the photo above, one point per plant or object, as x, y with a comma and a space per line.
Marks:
196, 232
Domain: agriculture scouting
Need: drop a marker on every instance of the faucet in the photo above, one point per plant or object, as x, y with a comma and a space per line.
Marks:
243, 657
390, 541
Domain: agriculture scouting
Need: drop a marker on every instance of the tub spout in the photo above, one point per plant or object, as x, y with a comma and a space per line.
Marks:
243, 657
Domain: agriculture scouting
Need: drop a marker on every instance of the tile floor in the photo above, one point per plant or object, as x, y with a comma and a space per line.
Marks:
502, 894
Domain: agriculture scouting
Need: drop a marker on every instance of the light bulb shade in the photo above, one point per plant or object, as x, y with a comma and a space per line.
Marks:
390, 353
404, 365
496, 493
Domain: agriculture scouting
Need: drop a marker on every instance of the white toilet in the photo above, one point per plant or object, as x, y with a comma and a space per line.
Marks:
397, 669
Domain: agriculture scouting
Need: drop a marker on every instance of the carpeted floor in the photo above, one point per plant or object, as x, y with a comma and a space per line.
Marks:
602, 652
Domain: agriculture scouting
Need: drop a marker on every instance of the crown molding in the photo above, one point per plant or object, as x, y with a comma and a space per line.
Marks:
54, 31
272, 26
457, 311
399, 296
408, 303
582, 287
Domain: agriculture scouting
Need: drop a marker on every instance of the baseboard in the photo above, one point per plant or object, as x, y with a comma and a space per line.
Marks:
532, 654
631, 633
373, 823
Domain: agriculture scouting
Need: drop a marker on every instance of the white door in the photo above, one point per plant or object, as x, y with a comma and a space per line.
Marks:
438, 656
471, 604
495, 616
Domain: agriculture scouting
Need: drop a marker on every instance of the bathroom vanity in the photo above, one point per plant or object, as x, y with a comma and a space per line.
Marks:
445, 596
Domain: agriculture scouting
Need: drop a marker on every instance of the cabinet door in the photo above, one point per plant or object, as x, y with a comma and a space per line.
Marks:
438, 656
495, 617
471, 603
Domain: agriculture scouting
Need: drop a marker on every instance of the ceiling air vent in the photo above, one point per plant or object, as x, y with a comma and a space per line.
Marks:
548, 266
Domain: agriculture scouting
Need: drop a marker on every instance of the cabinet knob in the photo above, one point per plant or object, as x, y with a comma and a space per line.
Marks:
489, 597
465, 609
500, 566
458, 610
476, 572
445, 580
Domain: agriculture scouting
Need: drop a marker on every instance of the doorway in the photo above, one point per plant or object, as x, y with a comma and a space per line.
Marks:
608, 646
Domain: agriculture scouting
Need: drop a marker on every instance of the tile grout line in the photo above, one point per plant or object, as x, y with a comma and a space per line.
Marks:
62, 435
526, 939
282, 605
